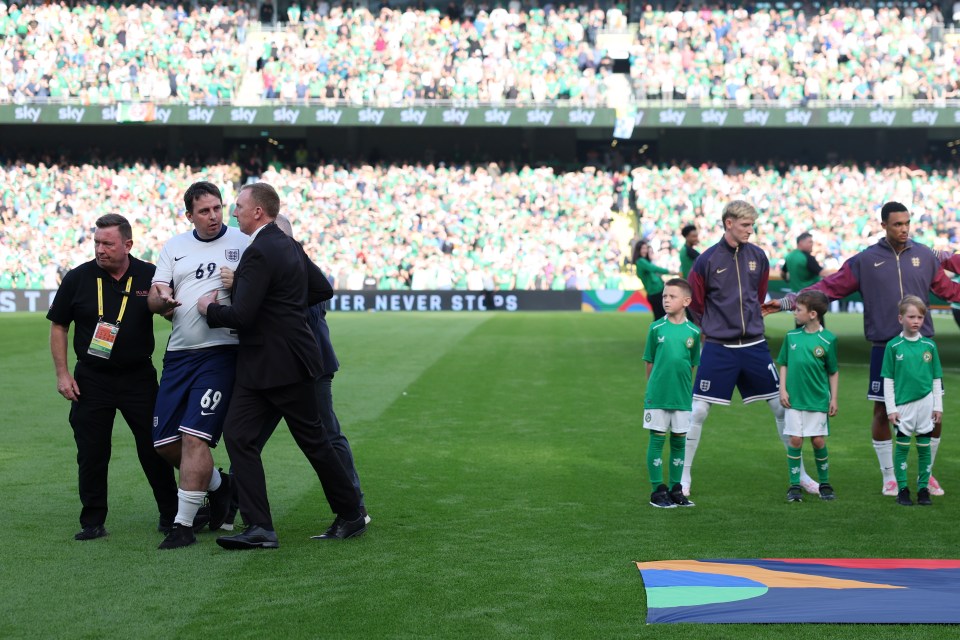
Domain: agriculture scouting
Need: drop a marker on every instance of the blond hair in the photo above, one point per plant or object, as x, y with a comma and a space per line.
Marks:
912, 301
738, 210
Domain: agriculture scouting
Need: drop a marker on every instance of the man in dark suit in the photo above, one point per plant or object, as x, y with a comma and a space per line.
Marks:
316, 319
278, 365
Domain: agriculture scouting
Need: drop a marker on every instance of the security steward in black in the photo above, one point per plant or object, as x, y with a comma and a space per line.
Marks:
106, 300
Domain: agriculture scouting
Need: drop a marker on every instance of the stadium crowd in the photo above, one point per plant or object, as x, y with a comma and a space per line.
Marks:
472, 53
98, 54
425, 226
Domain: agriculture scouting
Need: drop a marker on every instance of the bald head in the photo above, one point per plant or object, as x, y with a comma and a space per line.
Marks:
284, 223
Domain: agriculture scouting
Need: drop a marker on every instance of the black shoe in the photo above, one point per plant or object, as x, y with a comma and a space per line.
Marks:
923, 497
903, 498
180, 536
202, 518
826, 492
677, 497
795, 493
661, 499
220, 502
342, 529
255, 537
165, 525
91, 533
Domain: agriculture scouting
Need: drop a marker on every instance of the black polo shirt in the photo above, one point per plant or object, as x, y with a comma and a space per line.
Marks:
76, 302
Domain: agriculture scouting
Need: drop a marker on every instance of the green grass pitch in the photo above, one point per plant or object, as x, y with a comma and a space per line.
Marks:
502, 457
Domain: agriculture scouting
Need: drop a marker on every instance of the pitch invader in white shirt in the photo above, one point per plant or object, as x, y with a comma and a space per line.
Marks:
200, 362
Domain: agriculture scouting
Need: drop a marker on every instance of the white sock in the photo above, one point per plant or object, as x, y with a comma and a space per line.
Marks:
934, 445
188, 503
698, 416
779, 417
884, 449
779, 414
214, 480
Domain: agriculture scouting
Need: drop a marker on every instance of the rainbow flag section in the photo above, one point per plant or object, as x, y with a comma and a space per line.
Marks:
802, 590
614, 300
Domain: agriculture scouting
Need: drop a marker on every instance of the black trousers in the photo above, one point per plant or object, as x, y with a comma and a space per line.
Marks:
656, 305
332, 426
299, 404
102, 394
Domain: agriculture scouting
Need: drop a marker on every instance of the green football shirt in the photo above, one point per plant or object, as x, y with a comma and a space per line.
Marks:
686, 262
800, 275
810, 359
673, 349
913, 365
649, 275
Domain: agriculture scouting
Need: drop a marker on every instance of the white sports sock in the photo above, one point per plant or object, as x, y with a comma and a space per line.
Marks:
214, 480
779, 417
698, 416
934, 445
779, 414
884, 449
188, 503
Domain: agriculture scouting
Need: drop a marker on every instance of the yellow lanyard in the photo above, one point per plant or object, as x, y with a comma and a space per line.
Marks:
123, 305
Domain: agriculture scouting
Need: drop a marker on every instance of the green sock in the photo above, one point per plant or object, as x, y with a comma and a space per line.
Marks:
655, 458
900, 460
793, 464
678, 452
823, 465
923, 461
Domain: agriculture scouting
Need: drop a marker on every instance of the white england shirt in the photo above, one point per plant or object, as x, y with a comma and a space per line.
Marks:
191, 267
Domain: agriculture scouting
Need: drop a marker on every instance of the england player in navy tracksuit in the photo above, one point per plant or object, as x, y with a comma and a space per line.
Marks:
884, 273
729, 283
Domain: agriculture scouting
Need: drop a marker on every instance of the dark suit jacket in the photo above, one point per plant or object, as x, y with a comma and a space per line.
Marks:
317, 319
274, 284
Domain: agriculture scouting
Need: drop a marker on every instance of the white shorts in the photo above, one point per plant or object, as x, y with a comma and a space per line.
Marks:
665, 420
805, 424
916, 418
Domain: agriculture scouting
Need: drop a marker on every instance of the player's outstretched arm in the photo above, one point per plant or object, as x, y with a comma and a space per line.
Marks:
944, 287
161, 299
835, 286
771, 306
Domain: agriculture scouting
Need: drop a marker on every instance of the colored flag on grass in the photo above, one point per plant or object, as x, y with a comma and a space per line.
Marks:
802, 590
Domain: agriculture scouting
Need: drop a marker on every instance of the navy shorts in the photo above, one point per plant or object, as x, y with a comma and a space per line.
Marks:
195, 390
875, 390
750, 369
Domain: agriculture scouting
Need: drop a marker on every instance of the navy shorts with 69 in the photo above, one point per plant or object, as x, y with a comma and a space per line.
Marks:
750, 369
194, 394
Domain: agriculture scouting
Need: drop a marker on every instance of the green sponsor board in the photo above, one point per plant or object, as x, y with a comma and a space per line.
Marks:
798, 117
876, 117
306, 116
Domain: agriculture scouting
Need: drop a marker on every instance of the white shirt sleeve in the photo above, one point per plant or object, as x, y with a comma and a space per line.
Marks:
938, 395
889, 398
164, 271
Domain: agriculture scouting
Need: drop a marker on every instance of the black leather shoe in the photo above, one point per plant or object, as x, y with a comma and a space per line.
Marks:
219, 502
180, 536
255, 537
91, 533
342, 529
165, 526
